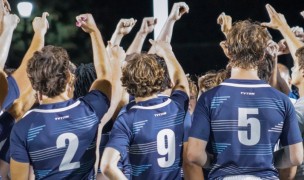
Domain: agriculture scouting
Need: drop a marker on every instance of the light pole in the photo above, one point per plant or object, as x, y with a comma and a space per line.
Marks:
160, 11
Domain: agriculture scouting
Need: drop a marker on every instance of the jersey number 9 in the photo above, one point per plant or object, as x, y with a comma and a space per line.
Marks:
166, 147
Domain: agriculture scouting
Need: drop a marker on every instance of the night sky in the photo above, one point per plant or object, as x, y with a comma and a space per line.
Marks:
196, 35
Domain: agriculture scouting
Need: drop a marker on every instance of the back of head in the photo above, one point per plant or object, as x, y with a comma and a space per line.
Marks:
48, 70
85, 76
143, 76
167, 82
192, 87
207, 81
247, 42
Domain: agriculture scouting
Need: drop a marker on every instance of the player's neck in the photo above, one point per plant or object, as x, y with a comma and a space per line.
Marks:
239, 73
60, 98
301, 89
139, 99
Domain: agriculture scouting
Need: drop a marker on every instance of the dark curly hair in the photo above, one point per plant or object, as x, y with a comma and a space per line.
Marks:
143, 76
300, 56
246, 43
48, 70
85, 76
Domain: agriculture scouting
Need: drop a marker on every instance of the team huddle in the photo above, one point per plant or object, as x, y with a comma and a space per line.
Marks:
137, 115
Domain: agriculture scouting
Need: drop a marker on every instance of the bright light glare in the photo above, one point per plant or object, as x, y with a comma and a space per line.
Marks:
25, 9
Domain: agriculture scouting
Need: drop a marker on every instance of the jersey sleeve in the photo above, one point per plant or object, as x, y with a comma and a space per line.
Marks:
13, 92
18, 144
187, 126
98, 101
291, 132
6, 124
200, 127
181, 98
120, 136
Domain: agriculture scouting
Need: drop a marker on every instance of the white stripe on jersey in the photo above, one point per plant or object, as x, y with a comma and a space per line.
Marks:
53, 110
241, 177
245, 85
153, 107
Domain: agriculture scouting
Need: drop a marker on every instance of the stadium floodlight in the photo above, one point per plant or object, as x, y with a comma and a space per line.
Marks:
25, 9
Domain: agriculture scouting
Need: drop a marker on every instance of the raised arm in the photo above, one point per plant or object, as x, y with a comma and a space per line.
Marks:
4, 87
10, 22
178, 10
278, 21
147, 26
275, 79
22, 104
5, 8
123, 28
40, 26
117, 55
176, 72
102, 64
15, 112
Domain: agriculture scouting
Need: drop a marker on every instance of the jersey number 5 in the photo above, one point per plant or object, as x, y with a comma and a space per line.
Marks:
252, 135
71, 151
166, 146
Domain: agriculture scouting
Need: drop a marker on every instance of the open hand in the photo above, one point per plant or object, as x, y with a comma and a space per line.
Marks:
277, 20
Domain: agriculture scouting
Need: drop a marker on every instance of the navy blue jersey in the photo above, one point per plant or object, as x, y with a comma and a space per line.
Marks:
242, 120
13, 92
123, 163
59, 140
187, 126
151, 133
6, 124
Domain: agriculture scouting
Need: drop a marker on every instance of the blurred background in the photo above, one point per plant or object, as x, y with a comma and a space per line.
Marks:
196, 35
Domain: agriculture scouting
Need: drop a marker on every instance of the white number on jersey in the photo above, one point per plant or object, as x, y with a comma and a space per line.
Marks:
69, 154
166, 146
255, 126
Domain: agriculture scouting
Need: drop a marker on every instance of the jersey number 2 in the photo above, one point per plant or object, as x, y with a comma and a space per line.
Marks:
71, 151
252, 136
166, 146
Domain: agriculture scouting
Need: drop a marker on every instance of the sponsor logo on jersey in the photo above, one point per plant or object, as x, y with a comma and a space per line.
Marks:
62, 117
160, 114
